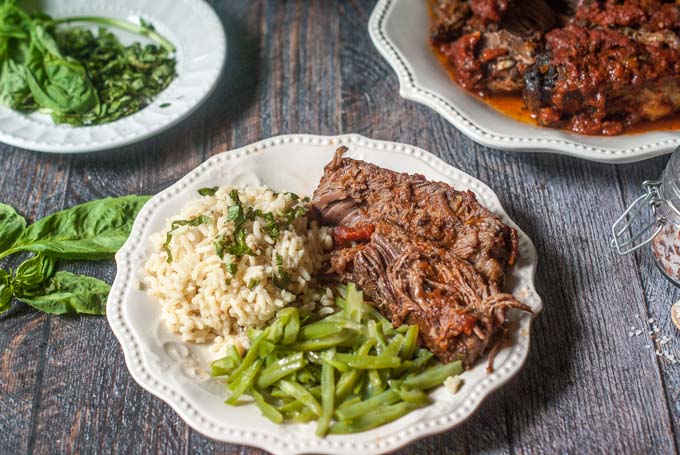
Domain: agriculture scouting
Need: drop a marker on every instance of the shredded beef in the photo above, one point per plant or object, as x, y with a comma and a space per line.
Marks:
425, 254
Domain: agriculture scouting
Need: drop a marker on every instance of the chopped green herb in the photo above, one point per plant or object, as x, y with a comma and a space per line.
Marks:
282, 279
208, 191
219, 246
164, 105
235, 214
239, 247
179, 223
253, 283
232, 267
78, 77
233, 194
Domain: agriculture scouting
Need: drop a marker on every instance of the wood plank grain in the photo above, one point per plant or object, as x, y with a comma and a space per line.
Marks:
309, 66
34, 184
594, 392
659, 294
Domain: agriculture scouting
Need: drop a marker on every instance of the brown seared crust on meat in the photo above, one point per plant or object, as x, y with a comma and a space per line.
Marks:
424, 253
354, 192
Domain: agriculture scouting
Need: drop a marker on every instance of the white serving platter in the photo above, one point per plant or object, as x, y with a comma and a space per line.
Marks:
400, 30
197, 33
177, 372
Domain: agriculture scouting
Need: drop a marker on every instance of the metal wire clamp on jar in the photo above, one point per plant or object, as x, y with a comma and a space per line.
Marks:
662, 197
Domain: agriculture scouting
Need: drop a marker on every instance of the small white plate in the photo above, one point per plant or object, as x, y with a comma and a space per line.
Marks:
177, 372
197, 33
400, 31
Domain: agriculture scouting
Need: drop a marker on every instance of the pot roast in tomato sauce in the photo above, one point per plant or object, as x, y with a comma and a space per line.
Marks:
423, 252
588, 66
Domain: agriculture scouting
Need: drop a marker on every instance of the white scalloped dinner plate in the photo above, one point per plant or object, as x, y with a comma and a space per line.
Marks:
194, 29
400, 30
177, 373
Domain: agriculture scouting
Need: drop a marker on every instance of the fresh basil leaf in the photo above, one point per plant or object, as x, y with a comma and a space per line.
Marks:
206, 191
11, 226
56, 82
94, 230
66, 293
5, 291
32, 273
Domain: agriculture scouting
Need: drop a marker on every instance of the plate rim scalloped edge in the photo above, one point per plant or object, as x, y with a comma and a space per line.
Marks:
411, 90
130, 343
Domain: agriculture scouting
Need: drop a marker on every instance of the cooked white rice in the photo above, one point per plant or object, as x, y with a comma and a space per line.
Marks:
202, 301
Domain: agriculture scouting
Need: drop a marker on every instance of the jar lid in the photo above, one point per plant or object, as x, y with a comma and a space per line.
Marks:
621, 227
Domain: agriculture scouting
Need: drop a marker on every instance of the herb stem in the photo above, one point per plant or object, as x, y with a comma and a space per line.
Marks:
122, 24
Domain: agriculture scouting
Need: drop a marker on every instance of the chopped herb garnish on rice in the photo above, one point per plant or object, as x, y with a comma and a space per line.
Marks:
179, 223
251, 252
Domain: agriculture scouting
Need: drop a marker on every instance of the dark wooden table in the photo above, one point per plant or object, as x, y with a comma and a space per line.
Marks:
309, 67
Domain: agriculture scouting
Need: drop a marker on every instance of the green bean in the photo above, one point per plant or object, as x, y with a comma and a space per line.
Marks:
353, 399
292, 329
223, 366
249, 359
291, 406
352, 365
395, 345
313, 357
315, 391
422, 358
245, 381
404, 328
297, 391
327, 397
320, 329
406, 367
280, 369
369, 362
340, 366
368, 409
266, 348
340, 303
375, 331
233, 352
358, 409
348, 380
414, 396
343, 338
374, 314
324, 328
354, 307
266, 409
276, 328
434, 376
306, 377
410, 342
278, 393
253, 333
303, 416
375, 383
